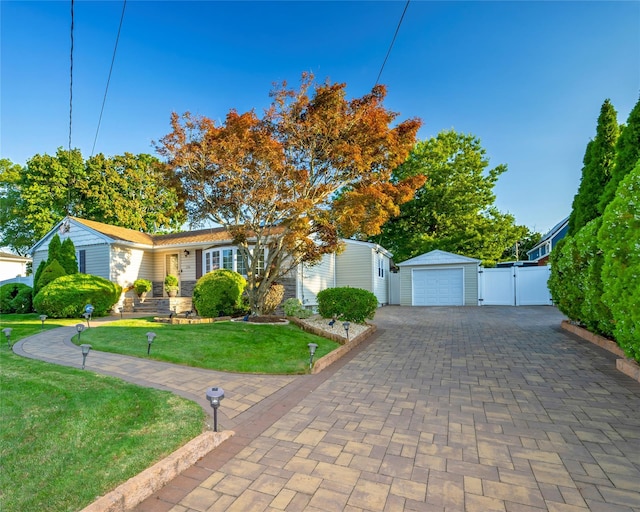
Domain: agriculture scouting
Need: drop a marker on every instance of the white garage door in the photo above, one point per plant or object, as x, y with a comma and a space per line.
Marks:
438, 287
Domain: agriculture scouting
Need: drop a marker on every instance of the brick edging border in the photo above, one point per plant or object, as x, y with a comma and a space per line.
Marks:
138, 488
625, 365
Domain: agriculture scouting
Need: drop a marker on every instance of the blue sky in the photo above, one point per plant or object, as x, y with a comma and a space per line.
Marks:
527, 78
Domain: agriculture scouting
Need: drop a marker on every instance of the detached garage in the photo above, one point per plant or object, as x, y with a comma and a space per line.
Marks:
439, 278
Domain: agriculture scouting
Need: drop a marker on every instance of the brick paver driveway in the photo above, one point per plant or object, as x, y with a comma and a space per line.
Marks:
447, 409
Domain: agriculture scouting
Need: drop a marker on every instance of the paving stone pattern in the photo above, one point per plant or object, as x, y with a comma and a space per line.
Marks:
444, 409
447, 409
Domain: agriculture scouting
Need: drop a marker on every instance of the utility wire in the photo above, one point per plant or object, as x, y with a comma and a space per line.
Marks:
104, 100
392, 41
71, 81
70, 111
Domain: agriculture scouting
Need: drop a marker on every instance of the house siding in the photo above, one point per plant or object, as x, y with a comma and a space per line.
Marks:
354, 267
314, 279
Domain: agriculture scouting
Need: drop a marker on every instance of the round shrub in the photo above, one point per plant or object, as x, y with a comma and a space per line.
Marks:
348, 304
50, 273
618, 238
15, 298
293, 307
218, 293
67, 296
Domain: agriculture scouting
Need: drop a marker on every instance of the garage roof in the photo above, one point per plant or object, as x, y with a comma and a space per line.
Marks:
438, 257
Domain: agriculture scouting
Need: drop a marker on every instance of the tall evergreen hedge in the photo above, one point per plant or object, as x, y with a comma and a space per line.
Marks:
619, 238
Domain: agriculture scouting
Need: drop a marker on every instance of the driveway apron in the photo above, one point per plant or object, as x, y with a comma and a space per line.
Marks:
446, 409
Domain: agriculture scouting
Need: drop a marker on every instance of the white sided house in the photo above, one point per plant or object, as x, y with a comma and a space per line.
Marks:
123, 255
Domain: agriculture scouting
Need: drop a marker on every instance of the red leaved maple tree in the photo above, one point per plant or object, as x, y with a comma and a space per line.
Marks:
316, 166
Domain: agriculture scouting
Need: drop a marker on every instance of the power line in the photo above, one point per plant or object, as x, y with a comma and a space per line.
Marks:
392, 41
71, 81
104, 100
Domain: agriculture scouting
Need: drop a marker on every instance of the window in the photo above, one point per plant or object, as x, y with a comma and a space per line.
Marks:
229, 258
82, 261
380, 266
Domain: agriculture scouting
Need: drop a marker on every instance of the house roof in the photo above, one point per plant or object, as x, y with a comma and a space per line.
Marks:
13, 257
438, 257
115, 232
551, 233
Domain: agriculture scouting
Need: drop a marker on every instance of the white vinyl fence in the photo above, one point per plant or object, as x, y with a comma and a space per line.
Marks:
514, 286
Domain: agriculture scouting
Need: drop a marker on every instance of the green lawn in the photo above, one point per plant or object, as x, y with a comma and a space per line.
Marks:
239, 347
68, 436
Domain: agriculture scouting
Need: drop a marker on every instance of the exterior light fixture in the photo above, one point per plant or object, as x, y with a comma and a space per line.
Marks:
312, 351
186, 253
7, 332
121, 309
79, 328
88, 310
42, 319
346, 326
85, 351
215, 396
150, 336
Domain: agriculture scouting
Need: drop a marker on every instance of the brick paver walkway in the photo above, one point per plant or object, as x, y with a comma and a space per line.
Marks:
446, 409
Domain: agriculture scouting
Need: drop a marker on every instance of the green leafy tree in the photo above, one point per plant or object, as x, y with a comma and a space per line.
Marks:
13, 232
453, 210
68, 258
130, 191
518, 251
618, 238
597, 169
627, 155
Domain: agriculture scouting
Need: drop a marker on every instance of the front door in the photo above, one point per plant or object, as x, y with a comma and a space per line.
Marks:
172, 265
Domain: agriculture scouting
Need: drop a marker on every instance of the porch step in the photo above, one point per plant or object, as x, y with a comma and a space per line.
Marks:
162, 305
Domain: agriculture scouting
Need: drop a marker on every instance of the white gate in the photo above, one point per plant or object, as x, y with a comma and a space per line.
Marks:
514, 286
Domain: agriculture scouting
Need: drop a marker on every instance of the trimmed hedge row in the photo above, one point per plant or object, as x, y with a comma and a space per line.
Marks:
595, 275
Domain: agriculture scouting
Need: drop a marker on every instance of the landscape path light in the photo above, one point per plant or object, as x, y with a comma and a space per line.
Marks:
346, 326
7, 332
79, 328
312, 351
42, 319
88, 310
85, 352
150, 336
215, 396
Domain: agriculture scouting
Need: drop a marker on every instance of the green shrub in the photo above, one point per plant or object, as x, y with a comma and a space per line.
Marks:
618, 238
23, 301
349, 304
566, 281
596, 316
68, 256
50, 273
142, 286
293, 307
273, 298
67, 296
36, 277
15, 298
218, 293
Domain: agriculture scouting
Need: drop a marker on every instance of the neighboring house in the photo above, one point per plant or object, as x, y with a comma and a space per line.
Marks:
123, 255
540, 253
13, 269
439, 278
